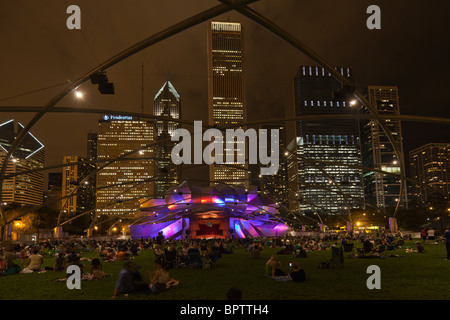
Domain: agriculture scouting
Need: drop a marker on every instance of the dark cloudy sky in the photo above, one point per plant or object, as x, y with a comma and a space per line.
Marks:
37, 50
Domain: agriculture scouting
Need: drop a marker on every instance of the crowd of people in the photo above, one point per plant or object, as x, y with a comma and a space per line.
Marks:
197, 253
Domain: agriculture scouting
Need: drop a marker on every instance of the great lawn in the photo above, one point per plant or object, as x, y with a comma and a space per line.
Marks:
407, 276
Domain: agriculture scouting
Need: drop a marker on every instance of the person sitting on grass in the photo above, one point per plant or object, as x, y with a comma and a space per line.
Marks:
110, 256
297, 274
184, 253
209, 253
97, 269
159, 253
59, 263
76, 262
121, 255
161, 280
2, 266
256, 252
128, 281
420, 248
272, 267
35, 261
23, 255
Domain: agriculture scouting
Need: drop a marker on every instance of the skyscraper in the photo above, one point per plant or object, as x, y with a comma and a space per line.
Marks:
28, 188
84, 198
54, 180
430, 164
91, 155
377, 151
167, 103
336, 141
126, 181
92, 146
53, 193
276, 186
226, 94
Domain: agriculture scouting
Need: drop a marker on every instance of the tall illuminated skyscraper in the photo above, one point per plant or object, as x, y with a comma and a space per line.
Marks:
92, 146
52, 196
430, 164
382, 190
337, 141
91, 155
226, 94
167, 103
125, 181
28, 188
84, 200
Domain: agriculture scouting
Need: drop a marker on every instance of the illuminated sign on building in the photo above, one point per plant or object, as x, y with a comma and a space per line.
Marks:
108, 117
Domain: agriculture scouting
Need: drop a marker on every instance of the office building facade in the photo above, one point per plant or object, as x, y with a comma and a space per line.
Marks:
381, 190
276, 186
167, 103
52, 196
78, 179
331, 187
430, 164
226, 93
121, 184
27, 188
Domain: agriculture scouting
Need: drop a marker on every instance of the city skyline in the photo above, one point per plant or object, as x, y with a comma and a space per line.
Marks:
283, 103
269, 85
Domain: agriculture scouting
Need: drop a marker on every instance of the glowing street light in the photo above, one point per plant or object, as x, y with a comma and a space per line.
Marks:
78, 94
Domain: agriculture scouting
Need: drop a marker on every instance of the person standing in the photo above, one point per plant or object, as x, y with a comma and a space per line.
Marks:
430, 235
423, 234
447, 241
160, 238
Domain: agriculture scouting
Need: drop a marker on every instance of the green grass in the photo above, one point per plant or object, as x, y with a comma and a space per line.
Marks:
412, 276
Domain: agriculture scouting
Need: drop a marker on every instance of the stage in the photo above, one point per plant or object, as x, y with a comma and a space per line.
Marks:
221, 212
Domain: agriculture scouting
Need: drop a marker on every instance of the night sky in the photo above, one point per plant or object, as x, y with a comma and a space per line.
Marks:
37, 50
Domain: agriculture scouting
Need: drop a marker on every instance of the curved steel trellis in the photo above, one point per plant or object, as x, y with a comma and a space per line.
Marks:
166, 33
274, 28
